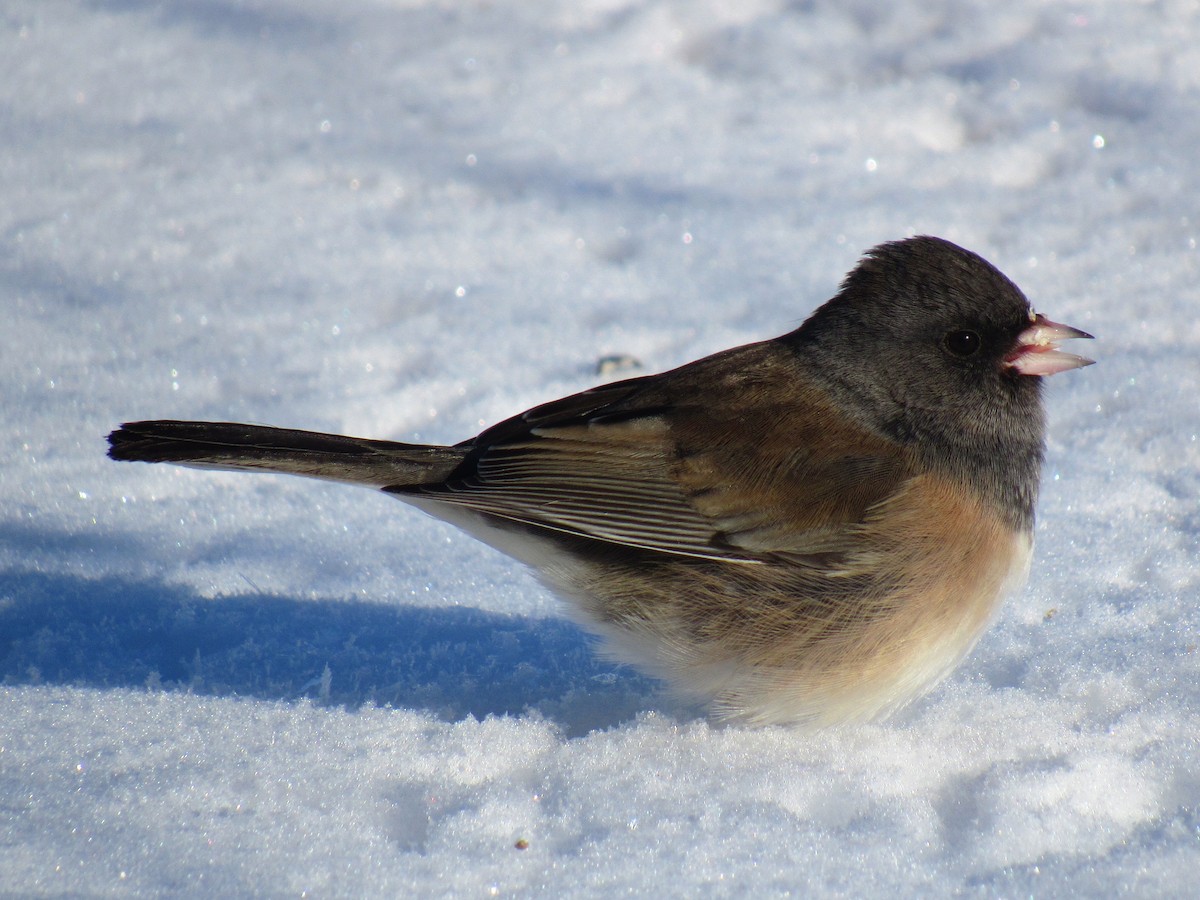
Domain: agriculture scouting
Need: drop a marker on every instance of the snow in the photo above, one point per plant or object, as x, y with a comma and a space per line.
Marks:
409, 219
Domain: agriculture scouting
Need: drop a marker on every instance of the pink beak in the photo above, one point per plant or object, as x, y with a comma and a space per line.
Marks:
1037, 350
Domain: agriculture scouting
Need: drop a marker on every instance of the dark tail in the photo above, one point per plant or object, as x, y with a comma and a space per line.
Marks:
228, 445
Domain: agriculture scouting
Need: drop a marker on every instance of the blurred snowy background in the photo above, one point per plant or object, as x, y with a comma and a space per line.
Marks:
409, 219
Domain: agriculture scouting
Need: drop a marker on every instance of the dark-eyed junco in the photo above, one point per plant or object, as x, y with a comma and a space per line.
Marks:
814, 528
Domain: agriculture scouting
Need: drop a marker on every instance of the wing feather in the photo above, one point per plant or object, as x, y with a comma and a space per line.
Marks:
631, 464
610, 481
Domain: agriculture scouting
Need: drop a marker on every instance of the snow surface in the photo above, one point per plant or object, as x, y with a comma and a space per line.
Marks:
409, 219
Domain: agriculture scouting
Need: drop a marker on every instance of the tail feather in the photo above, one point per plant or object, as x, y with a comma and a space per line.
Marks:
229, 445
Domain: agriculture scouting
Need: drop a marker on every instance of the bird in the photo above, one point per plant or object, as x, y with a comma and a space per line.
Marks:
811, 530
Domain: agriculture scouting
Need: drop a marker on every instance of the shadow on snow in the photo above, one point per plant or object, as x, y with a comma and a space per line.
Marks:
454, 662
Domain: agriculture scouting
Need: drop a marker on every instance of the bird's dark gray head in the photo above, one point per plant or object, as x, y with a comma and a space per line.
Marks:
922, 332
918, 343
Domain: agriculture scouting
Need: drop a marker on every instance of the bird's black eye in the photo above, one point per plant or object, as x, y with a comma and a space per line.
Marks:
962, 342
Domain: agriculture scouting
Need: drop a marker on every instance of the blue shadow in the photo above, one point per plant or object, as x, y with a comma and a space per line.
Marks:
453, 662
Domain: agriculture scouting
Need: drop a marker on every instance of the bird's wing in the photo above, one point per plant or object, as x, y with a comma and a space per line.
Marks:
734, 475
